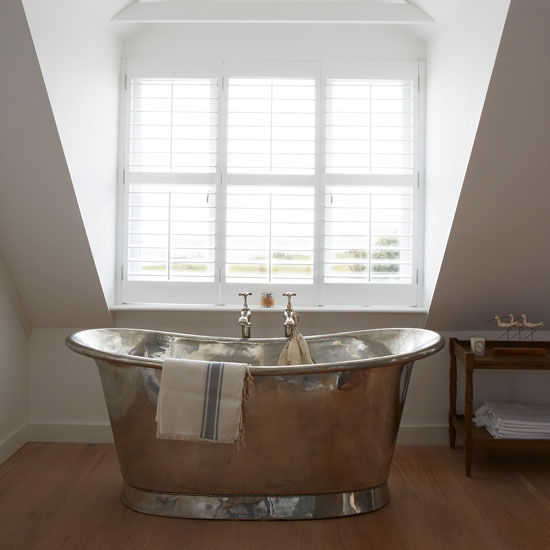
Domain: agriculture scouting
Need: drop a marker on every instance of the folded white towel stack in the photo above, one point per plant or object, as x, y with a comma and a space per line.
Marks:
514, 420
201, 400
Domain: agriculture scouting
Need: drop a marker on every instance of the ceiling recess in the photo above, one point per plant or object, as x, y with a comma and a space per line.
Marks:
265, 11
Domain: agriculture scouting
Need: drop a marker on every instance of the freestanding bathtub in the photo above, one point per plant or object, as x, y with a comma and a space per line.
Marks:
318, 439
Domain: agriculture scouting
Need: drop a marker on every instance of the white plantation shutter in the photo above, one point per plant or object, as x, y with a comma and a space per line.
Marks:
370, 228
270, 234
369, 126
171, 232
271, 177
170, 186
271, 126
173, 125
368, 234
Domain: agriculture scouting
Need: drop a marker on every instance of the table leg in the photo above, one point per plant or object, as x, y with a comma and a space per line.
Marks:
468, 414
452, 397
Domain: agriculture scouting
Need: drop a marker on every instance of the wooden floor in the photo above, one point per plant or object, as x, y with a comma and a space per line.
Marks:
65, 496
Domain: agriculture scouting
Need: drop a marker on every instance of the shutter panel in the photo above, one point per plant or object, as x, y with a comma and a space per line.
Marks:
368, 234
171, 197
271, 126
173, 125
269, 235
171, 232
369, 126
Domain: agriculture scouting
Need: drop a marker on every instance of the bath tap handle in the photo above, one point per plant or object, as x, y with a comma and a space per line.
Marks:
289, 296
245, 295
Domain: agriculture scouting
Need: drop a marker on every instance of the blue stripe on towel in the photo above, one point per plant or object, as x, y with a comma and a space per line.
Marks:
205, 399
219, 399
212, 399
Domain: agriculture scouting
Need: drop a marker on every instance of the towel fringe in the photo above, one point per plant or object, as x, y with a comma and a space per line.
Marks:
248, 378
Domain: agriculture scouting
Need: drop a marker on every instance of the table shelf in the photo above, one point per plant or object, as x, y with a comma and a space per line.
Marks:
472, 435
484, 439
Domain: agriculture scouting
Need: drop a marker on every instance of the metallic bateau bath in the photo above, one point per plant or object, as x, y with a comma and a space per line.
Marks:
318, 439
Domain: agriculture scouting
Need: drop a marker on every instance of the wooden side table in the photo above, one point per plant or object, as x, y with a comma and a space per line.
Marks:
472, 435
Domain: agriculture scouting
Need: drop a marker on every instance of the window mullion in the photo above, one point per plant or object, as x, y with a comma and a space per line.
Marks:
124, 213
319, 182
221, 184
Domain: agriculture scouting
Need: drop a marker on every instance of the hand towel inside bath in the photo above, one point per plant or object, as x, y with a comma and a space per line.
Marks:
201, 400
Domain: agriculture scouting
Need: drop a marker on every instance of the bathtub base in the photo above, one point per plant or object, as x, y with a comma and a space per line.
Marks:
255, 507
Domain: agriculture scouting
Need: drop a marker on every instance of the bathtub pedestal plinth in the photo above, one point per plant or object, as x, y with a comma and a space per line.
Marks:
255, 507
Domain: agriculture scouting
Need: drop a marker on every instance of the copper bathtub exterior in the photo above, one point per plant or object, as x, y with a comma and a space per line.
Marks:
319, 439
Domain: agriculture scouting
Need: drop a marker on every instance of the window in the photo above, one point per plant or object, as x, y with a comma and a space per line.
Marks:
259, 177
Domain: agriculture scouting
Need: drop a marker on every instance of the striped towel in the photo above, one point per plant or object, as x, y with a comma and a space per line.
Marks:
201, 401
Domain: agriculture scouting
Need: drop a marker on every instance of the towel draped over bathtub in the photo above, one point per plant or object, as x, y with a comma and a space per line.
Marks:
296, 350
202, 400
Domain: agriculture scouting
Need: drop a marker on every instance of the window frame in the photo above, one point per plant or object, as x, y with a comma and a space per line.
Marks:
317, 293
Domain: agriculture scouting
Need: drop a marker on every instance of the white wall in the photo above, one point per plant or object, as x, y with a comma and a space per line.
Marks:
274, 42
79, 57
64, 387
460, 57
13, 374
496, 260
42, 237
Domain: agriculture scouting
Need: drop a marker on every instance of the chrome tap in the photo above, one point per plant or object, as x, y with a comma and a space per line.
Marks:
289, 315
244, 319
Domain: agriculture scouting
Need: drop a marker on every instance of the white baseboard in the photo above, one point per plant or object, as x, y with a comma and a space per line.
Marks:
13, 442
101, 433
423, 435
70, 433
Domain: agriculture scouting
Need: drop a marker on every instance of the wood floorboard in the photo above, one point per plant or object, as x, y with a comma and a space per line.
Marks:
66, 496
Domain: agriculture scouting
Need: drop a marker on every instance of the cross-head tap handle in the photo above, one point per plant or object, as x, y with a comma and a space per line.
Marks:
289, 296
245, 295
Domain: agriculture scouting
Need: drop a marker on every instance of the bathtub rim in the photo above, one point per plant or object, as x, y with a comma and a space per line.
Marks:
433, 345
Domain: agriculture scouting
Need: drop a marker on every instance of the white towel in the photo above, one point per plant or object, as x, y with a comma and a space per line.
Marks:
201, 400
514, 420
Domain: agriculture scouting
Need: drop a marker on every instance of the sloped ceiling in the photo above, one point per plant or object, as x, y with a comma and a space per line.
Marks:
497, 260
42, 236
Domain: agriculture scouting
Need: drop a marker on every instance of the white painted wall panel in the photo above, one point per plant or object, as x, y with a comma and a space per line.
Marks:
263, 42
64, 387
42, 236
497, 259
79, 56
13, 371
460, 57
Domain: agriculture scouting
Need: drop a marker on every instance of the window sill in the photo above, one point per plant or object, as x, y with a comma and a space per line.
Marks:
257, 309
